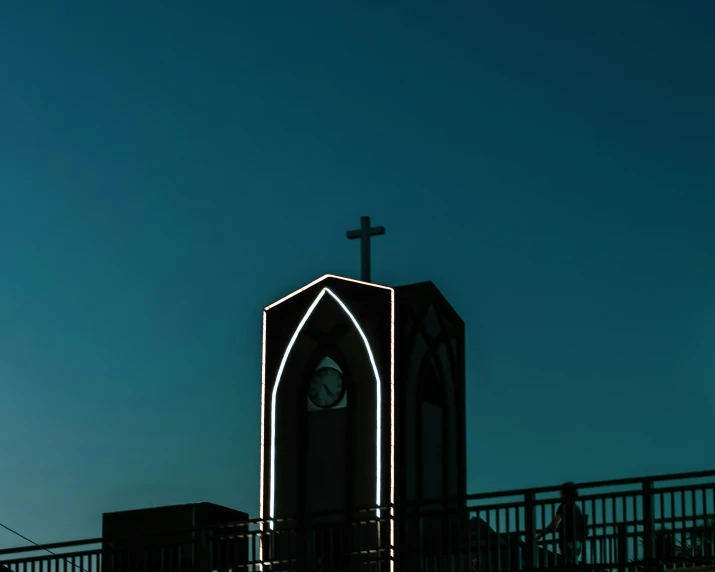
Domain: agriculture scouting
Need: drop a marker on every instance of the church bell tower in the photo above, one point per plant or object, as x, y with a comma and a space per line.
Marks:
362, 410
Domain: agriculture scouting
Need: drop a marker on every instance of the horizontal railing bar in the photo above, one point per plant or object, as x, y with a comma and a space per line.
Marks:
597, 484
53, 546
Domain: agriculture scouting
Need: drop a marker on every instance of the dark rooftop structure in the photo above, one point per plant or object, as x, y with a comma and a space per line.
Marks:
174, 537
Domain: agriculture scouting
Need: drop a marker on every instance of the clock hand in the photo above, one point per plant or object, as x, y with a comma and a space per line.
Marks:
325, 387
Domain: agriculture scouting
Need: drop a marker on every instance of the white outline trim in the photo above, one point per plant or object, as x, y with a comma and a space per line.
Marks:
378, 384
263, 435
318, 281
392, 429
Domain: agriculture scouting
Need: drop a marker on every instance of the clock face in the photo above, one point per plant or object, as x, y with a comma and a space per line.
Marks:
326, 389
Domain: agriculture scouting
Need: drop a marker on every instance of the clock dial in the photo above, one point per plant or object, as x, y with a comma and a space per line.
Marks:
326, 389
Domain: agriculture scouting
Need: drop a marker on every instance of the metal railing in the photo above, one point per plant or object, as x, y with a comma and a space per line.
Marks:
632, 525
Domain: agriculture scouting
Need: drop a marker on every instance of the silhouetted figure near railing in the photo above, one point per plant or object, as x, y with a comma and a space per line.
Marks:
569, 524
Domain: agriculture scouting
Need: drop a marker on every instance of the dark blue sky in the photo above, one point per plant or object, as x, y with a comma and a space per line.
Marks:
168, 169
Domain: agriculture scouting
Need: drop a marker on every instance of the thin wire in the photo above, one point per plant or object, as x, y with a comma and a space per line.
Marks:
45, 549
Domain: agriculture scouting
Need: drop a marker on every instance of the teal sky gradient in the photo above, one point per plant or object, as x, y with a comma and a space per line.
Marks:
169, 168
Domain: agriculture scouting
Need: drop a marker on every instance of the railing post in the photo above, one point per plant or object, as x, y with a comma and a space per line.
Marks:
648, 526
530, 531
108, 558
203, 552
622, 546
308, 539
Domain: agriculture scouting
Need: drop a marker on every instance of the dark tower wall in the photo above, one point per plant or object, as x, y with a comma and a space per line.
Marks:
430, 402
431, 424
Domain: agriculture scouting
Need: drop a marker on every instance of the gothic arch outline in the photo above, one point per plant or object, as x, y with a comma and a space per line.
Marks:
274, 398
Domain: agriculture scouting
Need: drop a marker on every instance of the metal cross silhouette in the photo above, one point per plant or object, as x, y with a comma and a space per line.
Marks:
364, 233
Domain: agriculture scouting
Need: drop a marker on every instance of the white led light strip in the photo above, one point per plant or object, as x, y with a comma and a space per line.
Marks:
378, 393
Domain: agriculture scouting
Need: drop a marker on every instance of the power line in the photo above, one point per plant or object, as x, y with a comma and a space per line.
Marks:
15, 532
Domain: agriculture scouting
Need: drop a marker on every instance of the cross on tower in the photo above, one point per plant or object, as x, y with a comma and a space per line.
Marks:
364, 233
